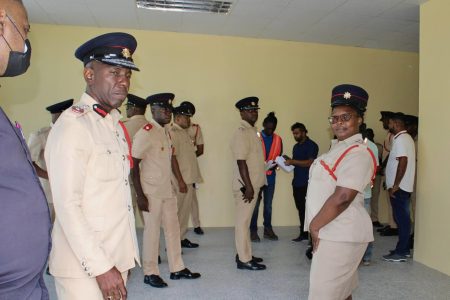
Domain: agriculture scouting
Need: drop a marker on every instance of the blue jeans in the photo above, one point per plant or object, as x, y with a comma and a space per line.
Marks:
368, 254
268, 192
400, 209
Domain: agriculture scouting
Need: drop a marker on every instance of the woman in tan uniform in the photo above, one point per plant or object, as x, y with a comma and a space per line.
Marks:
339, 225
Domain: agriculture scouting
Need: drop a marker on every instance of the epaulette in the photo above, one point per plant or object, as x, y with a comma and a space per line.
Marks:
80, 110
148, 126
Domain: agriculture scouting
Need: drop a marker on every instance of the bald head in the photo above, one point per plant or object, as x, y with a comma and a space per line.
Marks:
14, 29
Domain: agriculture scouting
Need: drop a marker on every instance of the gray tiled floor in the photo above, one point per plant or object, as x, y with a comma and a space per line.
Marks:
286, 276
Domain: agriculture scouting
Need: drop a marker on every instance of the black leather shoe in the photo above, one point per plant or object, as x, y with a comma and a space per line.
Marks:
254, 258
184, 274
155, 281
254, 237
383, 228
270, 235
377, 224
188, 244
301, 237
389, 232
309, 252
198, 230
251, 265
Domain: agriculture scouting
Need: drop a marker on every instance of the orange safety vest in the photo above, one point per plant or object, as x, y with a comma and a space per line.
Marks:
275, 149
331, 170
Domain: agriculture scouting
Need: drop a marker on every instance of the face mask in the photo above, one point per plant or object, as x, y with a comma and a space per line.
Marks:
18, 62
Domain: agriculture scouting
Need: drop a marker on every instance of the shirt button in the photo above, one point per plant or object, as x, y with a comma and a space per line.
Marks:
86, 269
89, 274
126, 182
124, 140
117, 134
129, 207
83, 263
123, 157
108, 151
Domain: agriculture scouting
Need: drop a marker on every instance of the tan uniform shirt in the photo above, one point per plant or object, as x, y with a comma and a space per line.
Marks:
195, 133
152, 145
387, 145
36, 144
353, 172
88, 166
184, 150
135, 123
246, 145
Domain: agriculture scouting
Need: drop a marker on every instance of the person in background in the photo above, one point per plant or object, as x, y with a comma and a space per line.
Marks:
36, 144
412, 125
400, 173
272, 148
25, 223
367, 134
249, 177
196, 135
377, 183
136, 107
303, 155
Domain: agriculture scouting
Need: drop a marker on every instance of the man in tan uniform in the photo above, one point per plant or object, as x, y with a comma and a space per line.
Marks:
185, 169
152, 154
136, 107
249, 176
36, 144
196, 135
88, 160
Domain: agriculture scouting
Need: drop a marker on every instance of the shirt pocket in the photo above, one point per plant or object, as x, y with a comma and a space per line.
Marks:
107, 162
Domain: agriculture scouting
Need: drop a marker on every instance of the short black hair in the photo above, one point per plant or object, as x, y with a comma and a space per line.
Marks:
298, 125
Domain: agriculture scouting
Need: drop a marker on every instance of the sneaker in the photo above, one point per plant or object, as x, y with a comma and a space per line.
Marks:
254, 236
270, 235
394, 257
408, 255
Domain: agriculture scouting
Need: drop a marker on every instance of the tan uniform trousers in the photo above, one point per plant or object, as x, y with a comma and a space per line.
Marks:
163, 212
375, 197
384, 196
334, 270
80, 288
243, 215
184, 202
195, 213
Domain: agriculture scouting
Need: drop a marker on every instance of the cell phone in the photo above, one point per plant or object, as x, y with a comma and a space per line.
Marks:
243, 188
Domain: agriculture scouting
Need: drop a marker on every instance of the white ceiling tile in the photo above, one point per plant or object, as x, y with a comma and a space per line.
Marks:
384, 24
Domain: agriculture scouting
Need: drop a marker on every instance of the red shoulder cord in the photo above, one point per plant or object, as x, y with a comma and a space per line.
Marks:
127, 137
338, 161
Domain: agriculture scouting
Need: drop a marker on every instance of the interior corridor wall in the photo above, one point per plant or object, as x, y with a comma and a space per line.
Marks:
293, 79
433, 196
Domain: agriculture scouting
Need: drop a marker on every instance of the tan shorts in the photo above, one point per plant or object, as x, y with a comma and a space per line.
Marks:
334, 268
80, 288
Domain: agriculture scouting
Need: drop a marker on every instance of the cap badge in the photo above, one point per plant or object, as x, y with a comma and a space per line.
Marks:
170, 101
126, 53
253, 103
347, 95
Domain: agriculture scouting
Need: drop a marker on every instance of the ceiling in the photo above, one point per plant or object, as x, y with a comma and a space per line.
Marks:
381, 24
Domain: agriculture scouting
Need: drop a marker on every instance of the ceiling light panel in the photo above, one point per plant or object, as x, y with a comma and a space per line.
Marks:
208, 6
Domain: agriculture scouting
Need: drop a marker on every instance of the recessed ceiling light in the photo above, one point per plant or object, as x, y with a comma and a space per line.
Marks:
210, 6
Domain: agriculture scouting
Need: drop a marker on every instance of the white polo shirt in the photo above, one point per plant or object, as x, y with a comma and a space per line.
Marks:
402, 145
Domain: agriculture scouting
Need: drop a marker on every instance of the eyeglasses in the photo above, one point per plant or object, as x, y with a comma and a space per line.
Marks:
342, 118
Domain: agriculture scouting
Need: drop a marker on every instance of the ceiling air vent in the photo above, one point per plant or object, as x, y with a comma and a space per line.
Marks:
209, 6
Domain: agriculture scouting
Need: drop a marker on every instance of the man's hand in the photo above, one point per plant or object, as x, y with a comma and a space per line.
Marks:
183, 187
393, 190
143, 203
112, 286
288, 162
314, 237
249, 194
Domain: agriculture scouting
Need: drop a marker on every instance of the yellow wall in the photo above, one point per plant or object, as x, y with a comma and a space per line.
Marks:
293, 79
433, 205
